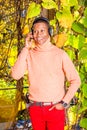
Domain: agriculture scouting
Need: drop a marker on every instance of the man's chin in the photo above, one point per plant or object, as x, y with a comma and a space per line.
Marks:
40, 42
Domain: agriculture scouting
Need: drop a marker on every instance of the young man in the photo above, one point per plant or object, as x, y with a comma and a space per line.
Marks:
47, 68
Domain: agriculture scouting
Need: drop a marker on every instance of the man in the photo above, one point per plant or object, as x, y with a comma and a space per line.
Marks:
47, 68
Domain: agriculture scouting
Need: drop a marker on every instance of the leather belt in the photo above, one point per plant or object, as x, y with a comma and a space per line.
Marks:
34, 103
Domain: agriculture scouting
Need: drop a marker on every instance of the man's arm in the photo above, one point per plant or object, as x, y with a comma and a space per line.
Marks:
72, 76
20, 66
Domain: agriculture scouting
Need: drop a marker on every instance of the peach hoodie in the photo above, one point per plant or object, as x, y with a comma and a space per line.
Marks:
47, 67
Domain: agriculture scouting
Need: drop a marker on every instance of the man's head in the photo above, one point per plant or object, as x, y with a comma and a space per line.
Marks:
44, 20
41, 30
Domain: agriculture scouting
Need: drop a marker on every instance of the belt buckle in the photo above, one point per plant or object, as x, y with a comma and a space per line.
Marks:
46, 103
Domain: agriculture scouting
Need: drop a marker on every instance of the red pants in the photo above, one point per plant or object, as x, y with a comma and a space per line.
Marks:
43, 119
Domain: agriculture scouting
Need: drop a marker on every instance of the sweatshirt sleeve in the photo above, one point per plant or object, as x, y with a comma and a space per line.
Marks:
72, 77
20, 66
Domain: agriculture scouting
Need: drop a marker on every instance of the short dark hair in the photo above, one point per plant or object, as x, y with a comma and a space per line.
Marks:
41, 19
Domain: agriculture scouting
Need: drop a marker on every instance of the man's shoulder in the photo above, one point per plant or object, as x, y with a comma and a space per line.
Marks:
57, 49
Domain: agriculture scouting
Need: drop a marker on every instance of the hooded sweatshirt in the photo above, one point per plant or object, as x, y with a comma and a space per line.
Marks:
47, 67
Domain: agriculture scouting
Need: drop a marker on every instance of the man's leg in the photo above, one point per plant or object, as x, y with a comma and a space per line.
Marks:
37, 119
56, 119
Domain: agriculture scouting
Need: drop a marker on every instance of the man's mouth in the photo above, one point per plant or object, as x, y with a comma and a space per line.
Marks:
39, 38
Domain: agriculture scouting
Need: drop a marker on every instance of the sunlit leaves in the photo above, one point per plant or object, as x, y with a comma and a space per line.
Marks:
76, 41
53, 23
1, 37
65, 17
84, 89
76, 15
81, 41
69, 2
83, 123
83, 54
21, 105
25, 29
2, 25
72, 114
66, 127
84, 19
84, 102
85, 65
60, 39
85, 12
49, 4
33, 10
78, 27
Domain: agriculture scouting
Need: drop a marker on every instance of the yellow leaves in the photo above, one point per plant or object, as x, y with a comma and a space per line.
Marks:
65, 18
69, 2
53, 22
25, 29
60, 39
6, 109
64, 2
49, 4
0, 0
33, 10
2, 25
66, 127
21, 105
66, 21
1, 36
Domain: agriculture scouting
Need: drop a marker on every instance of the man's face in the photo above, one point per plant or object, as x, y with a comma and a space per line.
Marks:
40, 32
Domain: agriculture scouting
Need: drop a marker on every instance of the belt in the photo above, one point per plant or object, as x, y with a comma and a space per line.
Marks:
34, 103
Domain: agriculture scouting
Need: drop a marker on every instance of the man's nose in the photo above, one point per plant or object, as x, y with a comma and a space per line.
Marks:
39, 33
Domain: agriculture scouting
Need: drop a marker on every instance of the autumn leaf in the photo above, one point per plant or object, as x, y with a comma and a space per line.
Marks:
49, 4
60, 39
69, 2
25, 29
65, 18
33, 10
2, 25
53, 22
66, 127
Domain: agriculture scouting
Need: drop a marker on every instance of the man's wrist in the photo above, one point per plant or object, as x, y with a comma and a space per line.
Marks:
64, 104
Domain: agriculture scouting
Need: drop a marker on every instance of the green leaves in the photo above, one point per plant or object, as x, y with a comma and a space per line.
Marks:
78, 27
69, 2
33, 10
49, 4
65, 17
83, 53
85, 12
84, 89
83, 123
84, 19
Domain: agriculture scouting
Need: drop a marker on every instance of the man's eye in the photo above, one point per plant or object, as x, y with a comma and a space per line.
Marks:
42, 30
34, 31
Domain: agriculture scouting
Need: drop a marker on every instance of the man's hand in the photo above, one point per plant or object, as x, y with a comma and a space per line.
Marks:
58, 106
28, 40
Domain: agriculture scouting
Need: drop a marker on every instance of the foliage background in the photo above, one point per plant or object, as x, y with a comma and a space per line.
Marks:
69, 21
